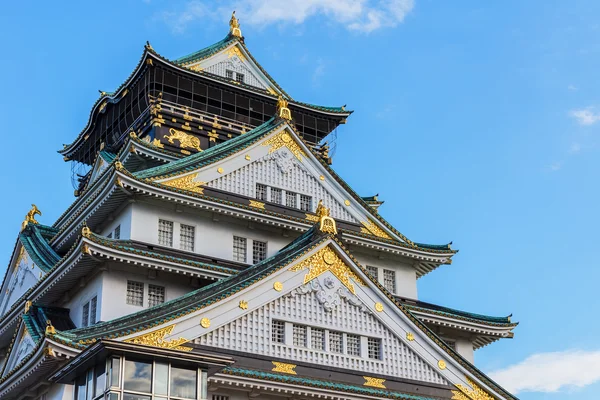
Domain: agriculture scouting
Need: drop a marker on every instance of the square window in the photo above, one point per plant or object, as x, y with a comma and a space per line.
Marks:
373, 271
290, 199
374, 348
239, 77
187, 236
305, 203
317, 338
389, 280
278, 332
239, 249
335, 342
229, 74
353, 345
165, 233
276, 196
299, 335
259, 251
261, 192
135, 293
117, 234
156, 295
93, 306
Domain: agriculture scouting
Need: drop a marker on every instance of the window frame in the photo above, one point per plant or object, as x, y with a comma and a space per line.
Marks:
254, 248
127, 297
170, 234
164, 294
192, 229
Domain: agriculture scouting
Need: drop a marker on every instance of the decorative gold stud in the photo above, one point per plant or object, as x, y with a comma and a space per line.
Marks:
278, 286
247, 157
410, 337
442, 364
205, 322
322, 178
379, 307
220, 170
347, 202
243, 304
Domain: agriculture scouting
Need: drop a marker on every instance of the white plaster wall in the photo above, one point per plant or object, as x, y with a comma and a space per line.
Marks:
75, 304
406, 275
123, 218
18, 282
464, 347
212, 238
60, 392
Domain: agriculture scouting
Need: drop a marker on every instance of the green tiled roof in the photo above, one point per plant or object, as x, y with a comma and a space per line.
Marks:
35, 320
321, 384
206, 52
35, 238
453, 313
107, 156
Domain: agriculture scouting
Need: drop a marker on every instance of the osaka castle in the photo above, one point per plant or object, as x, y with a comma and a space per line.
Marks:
212, 252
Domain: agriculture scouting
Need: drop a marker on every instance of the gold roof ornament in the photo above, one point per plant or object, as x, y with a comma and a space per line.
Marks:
282, 109
30, 217
234, 26
326, 223
50, 330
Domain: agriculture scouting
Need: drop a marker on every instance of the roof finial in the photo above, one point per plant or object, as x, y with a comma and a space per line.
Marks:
234, 26
50, 330
30, 217
282, 108
326, 223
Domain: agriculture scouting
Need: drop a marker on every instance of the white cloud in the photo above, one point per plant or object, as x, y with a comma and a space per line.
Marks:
357, 15
319, 71
556, 166
551, 372
585, 116
572, 87
575, 148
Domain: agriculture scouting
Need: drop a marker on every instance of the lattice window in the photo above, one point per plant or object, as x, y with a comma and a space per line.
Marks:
239, 249
317, 338
389, 280
278, 332
117, 234
259, 251
290, 199
156, 295
165, 233
276, 196
374, 348
229, 74
299, 335
353, 345
239, 77
261, 192
187, 236
373, 271
135, 293
93, 307
85, 315
335, 342
305, 202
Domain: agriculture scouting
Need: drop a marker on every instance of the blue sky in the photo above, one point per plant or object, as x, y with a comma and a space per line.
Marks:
476, 122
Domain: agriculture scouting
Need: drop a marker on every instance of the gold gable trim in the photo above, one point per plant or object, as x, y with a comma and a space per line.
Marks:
187, 182
157, 339
466, 393
284, 139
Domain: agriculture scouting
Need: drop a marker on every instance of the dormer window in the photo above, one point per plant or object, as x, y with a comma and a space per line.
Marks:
234, 76
239, 77
229, 74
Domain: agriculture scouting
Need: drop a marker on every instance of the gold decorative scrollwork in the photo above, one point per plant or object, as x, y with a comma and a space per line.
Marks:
157, 339
234, 51
30, 217
257, 204
187, 182
157, 143
185, 140
466, 393
371, 229
284, 139
327, 260
374, 382
283, 367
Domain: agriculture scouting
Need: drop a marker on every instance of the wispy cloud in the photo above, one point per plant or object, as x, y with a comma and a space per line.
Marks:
555, 166
356, 15
572, 88
574, 148
318, 72
551, 372
585, 116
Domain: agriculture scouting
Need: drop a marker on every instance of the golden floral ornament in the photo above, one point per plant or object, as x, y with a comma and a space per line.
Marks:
374, 382
284, 139
410, 337
378, 307
205, 322
327, 260
247, 157
442, 364
157, 339
243, 304
371, 228
186, 182
278, 286
284, 368
30, 216
158, 143
466, 393
257, 204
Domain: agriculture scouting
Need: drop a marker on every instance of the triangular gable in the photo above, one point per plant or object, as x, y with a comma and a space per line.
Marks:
284, 276
272, 154
102, 162
23, 345
21, 275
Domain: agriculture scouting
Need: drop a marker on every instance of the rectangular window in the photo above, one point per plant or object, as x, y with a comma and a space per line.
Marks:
276, 196
353, 345
305, 202
290, 199
135, 293
389, 280
374, 348
239, 77
239, 249
219, 397
183, 383
335, 342
299, 335
187, 234
259, 251
138, 376
278, 332
93, 307
261, 192
156, 295
117, 234
229, 74
317, 338
373, 271
165, 233
85, 315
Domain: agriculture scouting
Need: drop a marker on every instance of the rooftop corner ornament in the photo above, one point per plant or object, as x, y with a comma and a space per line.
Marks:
234, 26
30, 217
282, 109
326, 223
